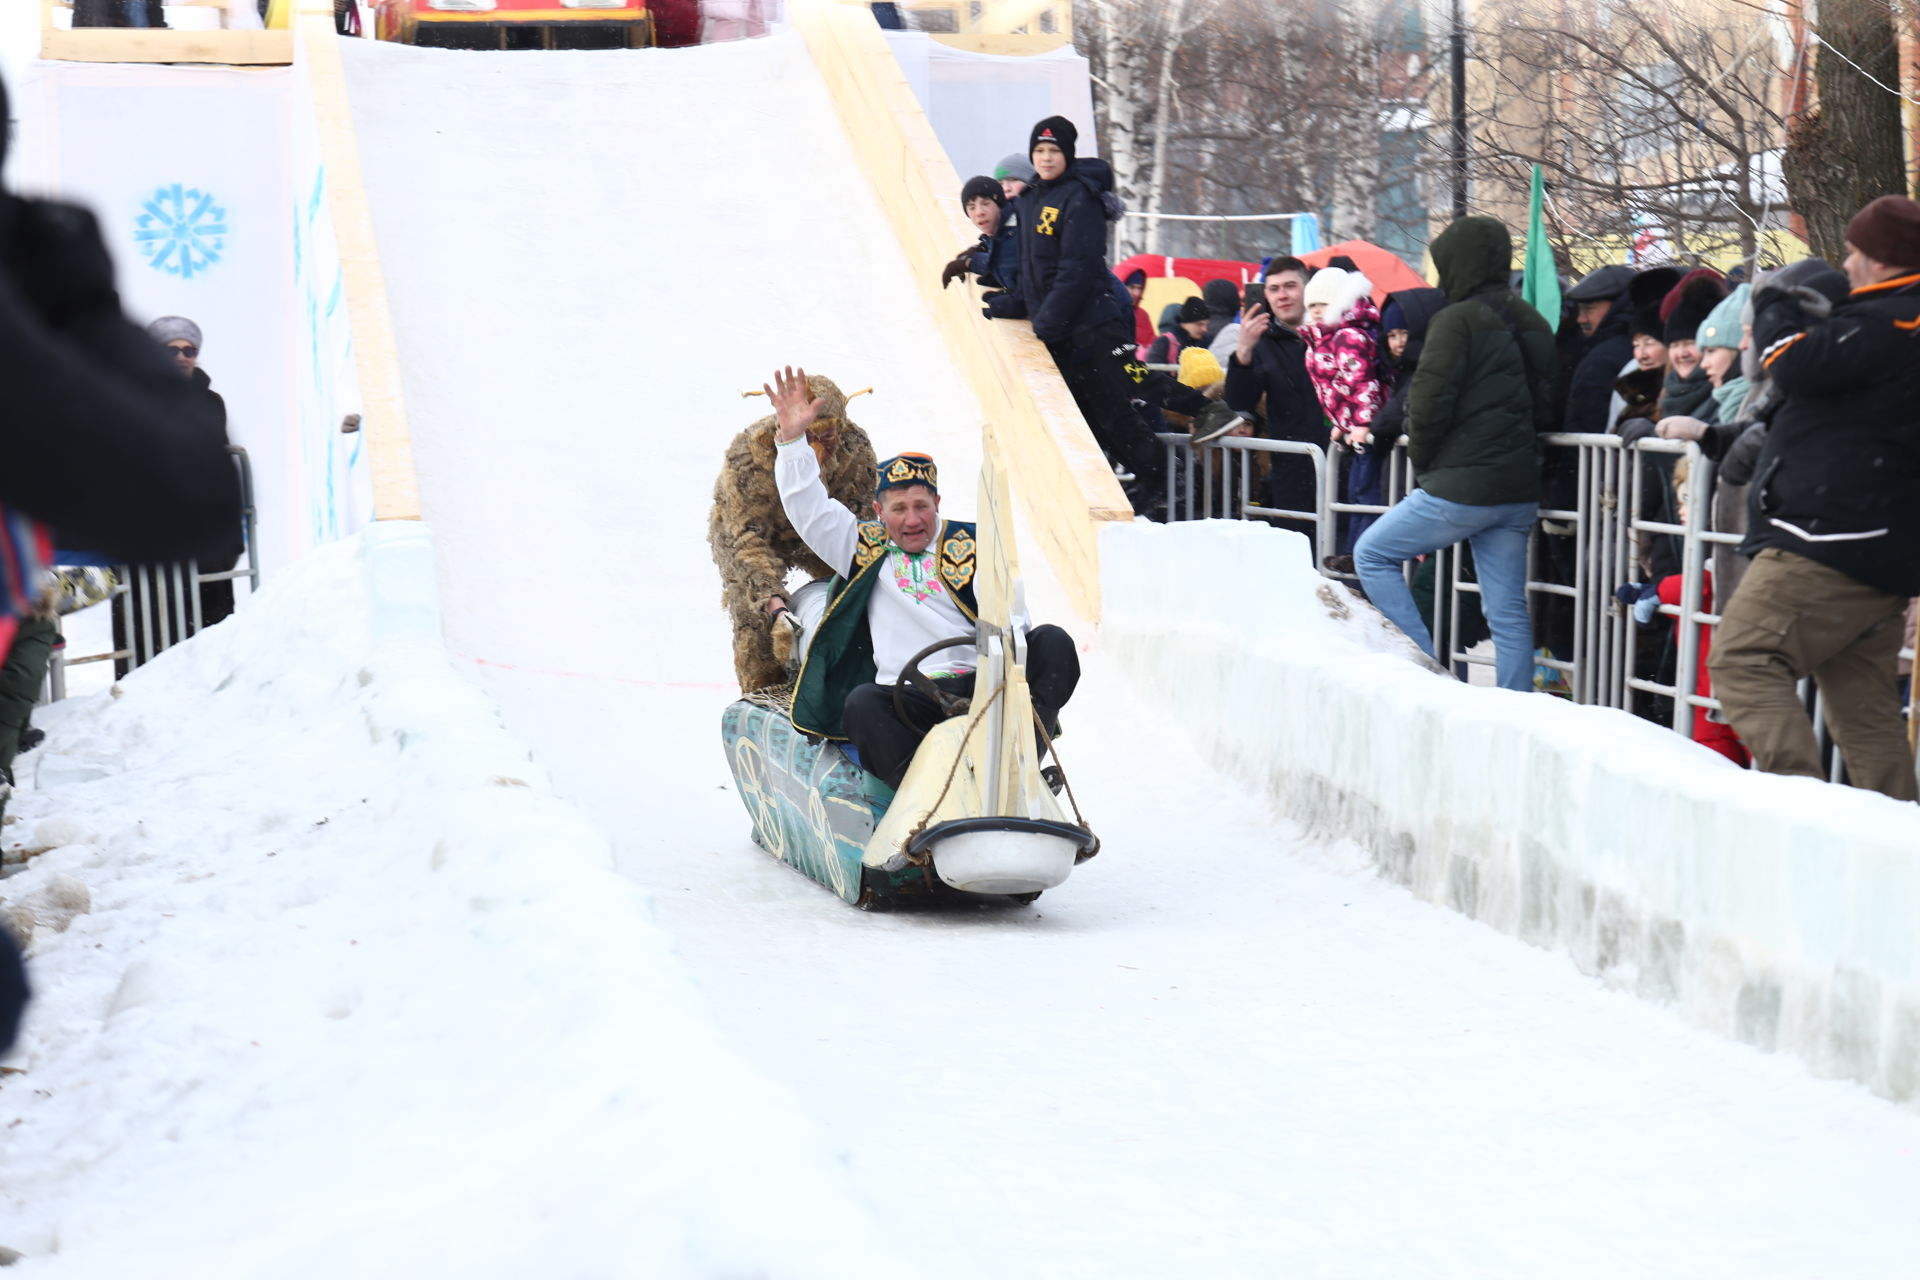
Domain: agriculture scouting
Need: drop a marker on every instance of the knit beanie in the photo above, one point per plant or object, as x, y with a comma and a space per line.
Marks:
1888, 230
1017, 167
1193, 309
1055, 129
1135, 276
982, 188
173, 328
1325, 285
1199, 368
1721, 328
1393, 317
1223, 297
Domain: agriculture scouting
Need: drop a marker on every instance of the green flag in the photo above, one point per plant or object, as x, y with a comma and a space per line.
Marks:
1540, 283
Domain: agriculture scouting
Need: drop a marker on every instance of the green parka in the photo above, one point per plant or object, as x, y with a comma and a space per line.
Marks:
1478, 401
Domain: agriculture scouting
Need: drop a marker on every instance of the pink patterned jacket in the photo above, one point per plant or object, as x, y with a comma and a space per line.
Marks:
1343, 361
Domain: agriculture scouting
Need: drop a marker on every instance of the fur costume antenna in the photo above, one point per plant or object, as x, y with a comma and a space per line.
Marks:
753, 543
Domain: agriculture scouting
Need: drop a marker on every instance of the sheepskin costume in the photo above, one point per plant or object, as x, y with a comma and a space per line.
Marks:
753, 544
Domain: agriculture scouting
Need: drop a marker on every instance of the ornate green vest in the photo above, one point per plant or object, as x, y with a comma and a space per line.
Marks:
841, 655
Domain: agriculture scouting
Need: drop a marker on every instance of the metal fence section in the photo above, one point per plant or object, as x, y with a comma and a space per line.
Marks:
1610, 529
159, 606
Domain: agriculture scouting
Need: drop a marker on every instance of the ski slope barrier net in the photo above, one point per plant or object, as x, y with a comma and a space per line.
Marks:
1778, 911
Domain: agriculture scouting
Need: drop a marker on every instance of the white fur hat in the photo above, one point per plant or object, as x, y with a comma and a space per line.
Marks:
1339, 290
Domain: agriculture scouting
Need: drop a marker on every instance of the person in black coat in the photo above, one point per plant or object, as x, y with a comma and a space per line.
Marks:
101, 440
1604, 313
1270, 362
1833, 523
1073, 300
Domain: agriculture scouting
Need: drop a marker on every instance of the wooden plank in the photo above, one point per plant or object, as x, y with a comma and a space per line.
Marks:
1002, 46
131, 44
396, 491
1065, 485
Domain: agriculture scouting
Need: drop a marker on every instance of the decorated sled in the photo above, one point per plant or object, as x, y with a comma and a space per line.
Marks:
974, 817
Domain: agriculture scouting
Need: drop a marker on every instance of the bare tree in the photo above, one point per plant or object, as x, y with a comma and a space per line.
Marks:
1844, 148
1643, 121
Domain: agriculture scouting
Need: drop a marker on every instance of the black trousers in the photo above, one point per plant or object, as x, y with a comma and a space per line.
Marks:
1094, 367
887, 743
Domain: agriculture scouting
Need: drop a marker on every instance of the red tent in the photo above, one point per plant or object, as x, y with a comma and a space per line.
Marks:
1387, 272
1198, 270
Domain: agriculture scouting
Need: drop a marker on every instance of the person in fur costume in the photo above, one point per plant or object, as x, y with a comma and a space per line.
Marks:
755, 546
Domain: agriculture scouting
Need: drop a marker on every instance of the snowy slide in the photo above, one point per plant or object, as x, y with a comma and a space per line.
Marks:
1222, 1050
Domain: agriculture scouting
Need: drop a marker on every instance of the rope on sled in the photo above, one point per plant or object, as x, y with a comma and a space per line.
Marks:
973, 723
925, 859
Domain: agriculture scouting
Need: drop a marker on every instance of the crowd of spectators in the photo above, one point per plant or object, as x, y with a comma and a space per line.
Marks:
1800, 386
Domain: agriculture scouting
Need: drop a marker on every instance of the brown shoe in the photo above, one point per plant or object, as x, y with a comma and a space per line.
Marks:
1339, 564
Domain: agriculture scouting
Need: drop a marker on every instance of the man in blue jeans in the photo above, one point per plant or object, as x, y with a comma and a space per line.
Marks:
1481, 395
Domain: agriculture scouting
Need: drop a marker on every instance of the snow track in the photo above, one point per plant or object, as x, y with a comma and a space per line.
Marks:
1215, 1051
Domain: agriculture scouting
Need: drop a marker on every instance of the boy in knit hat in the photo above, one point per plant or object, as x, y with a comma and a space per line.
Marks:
993, 258
1014, 174
1833, 527
1077, 306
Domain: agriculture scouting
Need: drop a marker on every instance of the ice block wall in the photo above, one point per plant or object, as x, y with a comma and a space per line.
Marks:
1779, 911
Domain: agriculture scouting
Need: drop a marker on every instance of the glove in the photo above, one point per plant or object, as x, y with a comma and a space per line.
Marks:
1681, 427
957, 269
1633, 429
1643, 598
1630, 593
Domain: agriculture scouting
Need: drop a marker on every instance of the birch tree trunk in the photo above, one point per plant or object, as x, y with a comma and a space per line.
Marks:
1167, 50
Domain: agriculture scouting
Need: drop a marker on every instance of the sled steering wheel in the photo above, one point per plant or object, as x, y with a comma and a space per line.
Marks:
912, 677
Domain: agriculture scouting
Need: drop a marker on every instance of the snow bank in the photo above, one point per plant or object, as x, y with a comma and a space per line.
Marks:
356, 995
1776, 910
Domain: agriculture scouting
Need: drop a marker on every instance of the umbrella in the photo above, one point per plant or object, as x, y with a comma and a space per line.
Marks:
1387, 272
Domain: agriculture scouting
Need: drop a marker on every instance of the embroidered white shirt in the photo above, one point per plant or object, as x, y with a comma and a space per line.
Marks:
910, 605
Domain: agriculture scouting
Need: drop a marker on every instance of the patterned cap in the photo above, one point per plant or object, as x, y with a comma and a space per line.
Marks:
908, 469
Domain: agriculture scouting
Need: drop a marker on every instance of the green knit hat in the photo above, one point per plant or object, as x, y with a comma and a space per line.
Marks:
1721, 328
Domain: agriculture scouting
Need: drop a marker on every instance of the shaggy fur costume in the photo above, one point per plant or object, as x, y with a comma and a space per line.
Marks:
752, 542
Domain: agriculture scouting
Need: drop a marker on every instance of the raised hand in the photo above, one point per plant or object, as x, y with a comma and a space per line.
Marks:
794, 405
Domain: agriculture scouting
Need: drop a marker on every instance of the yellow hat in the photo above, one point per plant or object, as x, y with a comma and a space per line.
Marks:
1198, 368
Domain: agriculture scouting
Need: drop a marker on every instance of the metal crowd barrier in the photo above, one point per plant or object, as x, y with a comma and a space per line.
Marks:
159, 605
1215, 481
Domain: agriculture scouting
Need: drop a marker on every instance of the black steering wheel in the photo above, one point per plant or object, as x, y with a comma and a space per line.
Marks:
912, 677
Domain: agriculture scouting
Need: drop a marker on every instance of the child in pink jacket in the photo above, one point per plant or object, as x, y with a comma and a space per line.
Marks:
1343, 360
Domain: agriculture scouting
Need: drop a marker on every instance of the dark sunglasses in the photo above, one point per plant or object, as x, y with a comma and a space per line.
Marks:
190, 353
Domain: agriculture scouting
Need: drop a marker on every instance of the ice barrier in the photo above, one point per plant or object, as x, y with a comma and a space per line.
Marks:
1775, 910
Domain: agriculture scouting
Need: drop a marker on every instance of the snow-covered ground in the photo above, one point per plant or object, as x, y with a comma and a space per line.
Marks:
1216, 1050
357, 995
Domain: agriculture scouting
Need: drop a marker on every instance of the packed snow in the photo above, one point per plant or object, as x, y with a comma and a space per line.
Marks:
352, 993
358, 992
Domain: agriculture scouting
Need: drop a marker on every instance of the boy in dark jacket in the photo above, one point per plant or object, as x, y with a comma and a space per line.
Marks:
1833, 518
1076, 304
1482, 390
993, 259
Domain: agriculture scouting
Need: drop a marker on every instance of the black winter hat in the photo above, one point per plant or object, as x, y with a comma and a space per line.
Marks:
1055, 129
982, 188
1691, 302
1193, 309
1645, 292
1223, 297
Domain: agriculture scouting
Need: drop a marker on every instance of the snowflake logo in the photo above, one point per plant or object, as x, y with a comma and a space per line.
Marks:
182, 231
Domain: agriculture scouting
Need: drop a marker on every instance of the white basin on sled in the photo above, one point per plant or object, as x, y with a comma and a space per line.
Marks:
1005, 861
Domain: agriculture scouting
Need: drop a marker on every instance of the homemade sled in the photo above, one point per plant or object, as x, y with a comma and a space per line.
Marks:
973, 817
